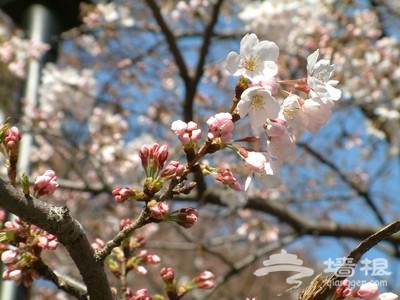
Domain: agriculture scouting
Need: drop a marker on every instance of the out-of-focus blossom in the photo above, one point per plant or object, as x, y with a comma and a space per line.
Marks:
48, 241
67, 91
388, 296
46, 183
109, 13
343, 291
9, 256
256, 59
367, 291
141, 295
98, 244
205, 280
168, 275
16, 52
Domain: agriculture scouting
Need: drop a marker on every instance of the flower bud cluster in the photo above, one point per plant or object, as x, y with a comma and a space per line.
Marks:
225, 176
220, 126
188, 133
204, 281
158, 210
129, 256
28, 242
153, 158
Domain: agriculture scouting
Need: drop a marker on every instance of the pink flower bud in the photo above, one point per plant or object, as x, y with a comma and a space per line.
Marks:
153, 259
206, 275
141, 295
205, 280
144, 155
172, 169
179, 127
187, 217
12, 139
196, 134
123, 194
124, 222
342, 291
162, 155
167, 275
153, 150
46, 183
9, 256
141, 270
186, 132
98, 244
208, 284
158, 209
367, 291
220, 125
15, 274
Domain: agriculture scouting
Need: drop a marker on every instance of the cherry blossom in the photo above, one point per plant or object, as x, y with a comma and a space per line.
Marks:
268, 177
318, 79
281, 144
310, 114
258, 103
256, 59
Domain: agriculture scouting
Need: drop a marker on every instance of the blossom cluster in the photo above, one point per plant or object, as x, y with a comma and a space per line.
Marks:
108, 13
281, 120
16, 52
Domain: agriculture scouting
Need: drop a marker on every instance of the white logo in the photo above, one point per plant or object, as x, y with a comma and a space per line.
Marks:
285, 262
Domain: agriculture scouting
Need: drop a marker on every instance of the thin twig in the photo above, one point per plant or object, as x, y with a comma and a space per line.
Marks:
321, 288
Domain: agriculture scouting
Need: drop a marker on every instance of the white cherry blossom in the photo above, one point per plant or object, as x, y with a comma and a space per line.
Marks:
318, 79
310, 114
258, 103
256, 59
268, 177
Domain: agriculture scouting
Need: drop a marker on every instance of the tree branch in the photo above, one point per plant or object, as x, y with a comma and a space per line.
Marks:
170, 39
305, 226
364, 194
58, 221
321, 289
